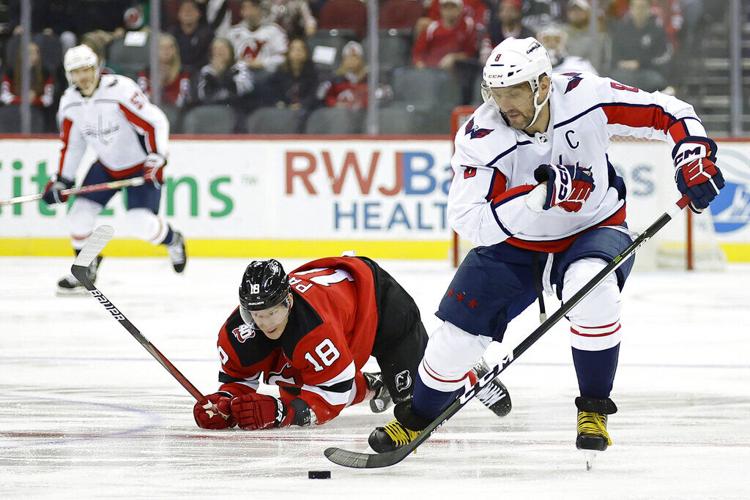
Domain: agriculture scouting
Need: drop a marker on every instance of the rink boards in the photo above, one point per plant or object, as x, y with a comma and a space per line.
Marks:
302, 197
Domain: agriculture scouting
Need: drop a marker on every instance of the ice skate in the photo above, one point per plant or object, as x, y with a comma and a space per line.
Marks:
495, 395
177, 253
69, 285
592, 435
381, 398
398, 432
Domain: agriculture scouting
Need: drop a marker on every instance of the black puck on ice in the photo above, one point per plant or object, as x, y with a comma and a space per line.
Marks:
318, 474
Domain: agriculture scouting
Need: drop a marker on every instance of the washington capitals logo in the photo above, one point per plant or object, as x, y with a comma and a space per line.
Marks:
475, 131
573, 80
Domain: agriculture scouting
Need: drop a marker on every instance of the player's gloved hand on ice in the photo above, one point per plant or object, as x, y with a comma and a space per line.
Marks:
216, 413
568, 186
52, 190
257, 411
153, 168
696, 174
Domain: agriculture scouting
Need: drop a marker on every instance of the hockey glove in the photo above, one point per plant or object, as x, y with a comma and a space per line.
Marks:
153, 169
215, 414
568, 186
52, 191
696, 174
257, 411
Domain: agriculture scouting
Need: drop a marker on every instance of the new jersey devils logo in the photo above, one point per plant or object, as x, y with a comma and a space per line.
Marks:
243, 332
403, 380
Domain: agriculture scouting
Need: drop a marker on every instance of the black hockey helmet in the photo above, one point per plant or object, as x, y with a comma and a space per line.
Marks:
264, 285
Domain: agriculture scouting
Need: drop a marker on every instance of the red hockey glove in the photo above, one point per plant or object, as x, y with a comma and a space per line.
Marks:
696, 174
215, 414
52, 191
257, 411
568, 186
153, 169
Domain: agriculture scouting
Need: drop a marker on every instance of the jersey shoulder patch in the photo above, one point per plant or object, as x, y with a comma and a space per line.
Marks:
249, 343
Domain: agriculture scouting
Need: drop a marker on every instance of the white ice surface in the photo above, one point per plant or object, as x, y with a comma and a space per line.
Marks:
85, 412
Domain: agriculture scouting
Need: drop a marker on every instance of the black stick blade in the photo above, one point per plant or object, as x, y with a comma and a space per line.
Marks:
356, 460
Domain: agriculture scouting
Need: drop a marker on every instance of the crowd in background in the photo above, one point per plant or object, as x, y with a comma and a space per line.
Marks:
302, 55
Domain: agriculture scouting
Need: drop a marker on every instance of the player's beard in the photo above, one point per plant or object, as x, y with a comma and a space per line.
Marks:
519, 121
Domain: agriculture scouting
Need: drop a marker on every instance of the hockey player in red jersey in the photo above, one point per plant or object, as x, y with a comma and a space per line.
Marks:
310, 333
129, 136
534, 188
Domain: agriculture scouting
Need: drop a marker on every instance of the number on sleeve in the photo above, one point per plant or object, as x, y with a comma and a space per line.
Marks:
223, 356
619, 86
327, 353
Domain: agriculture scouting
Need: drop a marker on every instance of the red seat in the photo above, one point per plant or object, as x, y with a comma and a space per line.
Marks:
400, 14
344, 14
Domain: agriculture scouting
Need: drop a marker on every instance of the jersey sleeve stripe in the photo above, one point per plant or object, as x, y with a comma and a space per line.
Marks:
330, 389
67, 124
144, 125
639, 115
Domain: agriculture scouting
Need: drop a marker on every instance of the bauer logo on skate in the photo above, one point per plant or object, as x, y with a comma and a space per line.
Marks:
107, 305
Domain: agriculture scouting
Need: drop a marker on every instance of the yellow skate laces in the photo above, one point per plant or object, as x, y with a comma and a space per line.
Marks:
593, 424
400, 434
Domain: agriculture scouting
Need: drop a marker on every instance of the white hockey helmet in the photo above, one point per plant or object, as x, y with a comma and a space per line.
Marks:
80, 56
514, 61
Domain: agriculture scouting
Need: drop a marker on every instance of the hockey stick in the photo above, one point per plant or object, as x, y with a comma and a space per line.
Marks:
96, 242
91, 188
358, 460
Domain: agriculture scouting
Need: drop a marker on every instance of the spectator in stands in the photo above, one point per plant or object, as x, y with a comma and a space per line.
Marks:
295, 83
553, 37
445, 42
42, 83
539, 13
475, 9
639, 49
175, 81
261, 45
506, 22
294, 17
222, 80
348, 88
581, 42
193, 36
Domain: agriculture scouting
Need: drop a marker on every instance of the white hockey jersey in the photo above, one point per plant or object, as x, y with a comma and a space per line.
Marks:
494, 164
117, 121
268, 44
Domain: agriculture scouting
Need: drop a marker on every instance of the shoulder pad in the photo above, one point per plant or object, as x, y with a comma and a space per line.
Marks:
485, 135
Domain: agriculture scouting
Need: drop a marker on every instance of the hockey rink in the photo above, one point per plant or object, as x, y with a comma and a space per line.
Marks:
86, 412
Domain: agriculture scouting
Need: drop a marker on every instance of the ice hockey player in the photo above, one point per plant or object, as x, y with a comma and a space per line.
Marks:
310, 333
129, 137
534, 187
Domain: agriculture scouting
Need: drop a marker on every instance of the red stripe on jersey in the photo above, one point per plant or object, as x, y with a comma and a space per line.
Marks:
147, 128
650, 115
498, 185
602, 326
511, 193
67, 124
557, 246
606, 334
679, 131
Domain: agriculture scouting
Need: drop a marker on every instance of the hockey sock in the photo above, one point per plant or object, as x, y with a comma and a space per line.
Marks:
428, 402
168, 238
596, 371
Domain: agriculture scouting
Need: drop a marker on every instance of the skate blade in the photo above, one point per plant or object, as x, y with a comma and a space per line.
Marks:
590, 456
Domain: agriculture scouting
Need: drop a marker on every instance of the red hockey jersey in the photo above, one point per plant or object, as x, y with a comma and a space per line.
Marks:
326, 342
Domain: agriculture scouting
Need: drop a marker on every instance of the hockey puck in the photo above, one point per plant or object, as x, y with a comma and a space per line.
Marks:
318, 474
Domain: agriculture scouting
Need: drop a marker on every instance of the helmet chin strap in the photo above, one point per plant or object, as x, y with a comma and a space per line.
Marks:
538, 106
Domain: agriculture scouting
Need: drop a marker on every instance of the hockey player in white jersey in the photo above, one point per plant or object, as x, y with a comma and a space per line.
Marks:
534, 187
129, 135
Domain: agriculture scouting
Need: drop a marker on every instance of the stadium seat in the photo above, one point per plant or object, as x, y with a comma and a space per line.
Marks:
274, 121
399, 119
328, 56
433, 92
334, 121
400, 14
212, 119
174, 115
344, 14
128, 60
10, 120
394, 49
